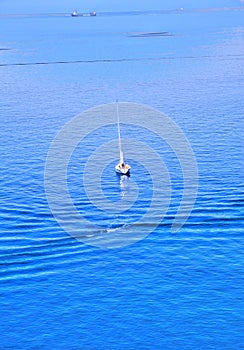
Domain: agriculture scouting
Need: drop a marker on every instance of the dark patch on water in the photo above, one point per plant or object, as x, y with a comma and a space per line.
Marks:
149, 34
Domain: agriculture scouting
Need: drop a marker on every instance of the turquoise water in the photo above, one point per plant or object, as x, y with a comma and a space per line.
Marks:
167, 291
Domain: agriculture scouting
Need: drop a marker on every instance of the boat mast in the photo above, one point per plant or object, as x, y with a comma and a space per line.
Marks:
121, 156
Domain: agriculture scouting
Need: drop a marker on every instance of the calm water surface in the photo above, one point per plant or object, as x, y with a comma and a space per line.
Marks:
168, 291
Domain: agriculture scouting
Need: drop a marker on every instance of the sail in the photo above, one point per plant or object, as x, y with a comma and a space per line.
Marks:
121, 156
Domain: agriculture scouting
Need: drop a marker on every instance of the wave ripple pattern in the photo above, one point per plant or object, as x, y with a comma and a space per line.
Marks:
93, 120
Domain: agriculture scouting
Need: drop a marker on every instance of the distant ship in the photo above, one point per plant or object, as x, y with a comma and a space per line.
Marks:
89, 14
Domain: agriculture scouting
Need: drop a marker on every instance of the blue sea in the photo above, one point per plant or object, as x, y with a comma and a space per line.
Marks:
159, 289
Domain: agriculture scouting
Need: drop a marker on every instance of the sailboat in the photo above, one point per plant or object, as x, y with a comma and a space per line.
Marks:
122, 167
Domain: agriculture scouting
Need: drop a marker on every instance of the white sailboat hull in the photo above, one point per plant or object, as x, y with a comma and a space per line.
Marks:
123, 170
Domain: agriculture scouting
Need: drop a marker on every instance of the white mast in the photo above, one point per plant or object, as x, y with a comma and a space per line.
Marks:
121, 156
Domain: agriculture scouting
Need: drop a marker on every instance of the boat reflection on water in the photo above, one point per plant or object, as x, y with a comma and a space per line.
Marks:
124, 183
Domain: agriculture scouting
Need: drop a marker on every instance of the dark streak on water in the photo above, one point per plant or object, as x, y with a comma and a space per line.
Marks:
222, 58
149, 34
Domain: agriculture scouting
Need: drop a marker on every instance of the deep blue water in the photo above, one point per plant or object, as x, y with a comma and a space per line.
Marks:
167, 291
